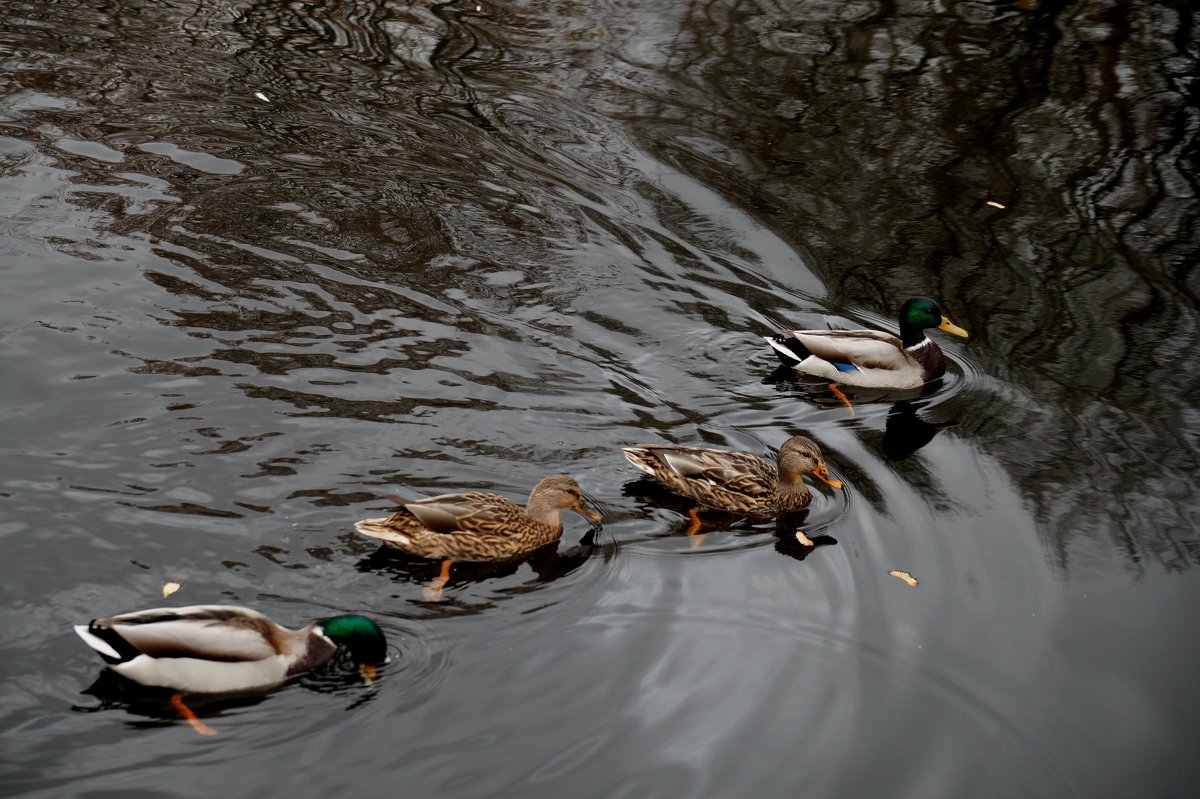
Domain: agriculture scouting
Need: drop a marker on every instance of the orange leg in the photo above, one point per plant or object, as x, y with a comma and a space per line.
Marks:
837, 392
694, 528
433, 592
185, 711
803, 539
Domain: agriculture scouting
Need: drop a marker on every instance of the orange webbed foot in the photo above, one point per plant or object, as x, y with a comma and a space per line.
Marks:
190, 717
433, 591
837, 392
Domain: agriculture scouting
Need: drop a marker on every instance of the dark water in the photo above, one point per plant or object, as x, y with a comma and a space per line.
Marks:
471, 244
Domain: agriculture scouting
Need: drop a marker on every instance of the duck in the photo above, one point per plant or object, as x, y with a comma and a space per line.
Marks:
737, 482
208, 649
872, 358
478, 526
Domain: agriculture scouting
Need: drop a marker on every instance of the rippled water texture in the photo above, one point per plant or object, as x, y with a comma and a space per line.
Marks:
264, 262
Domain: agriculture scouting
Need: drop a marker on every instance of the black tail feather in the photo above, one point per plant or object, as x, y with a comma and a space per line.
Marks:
792, 345
126, 650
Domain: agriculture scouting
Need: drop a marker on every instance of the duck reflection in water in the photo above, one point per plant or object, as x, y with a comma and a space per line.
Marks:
788, 543
904, 432
548, 564
115, 692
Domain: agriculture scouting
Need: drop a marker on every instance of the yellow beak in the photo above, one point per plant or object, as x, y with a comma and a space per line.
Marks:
367, 672
952, 328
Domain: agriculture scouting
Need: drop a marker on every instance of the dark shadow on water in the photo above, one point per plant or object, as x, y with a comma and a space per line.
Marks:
548, 564
786, 544
115, 692
905, 432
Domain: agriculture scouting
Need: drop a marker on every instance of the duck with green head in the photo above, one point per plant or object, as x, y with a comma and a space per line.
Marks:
222, 648
872, 358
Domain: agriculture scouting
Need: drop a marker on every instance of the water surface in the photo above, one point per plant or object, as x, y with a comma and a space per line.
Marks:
265, 262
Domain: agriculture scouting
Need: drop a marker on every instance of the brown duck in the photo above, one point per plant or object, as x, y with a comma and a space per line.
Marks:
736, 481
478, 526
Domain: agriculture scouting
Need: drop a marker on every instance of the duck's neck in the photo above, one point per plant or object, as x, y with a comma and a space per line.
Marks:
542, 511
790, 491
791, 495
912, 336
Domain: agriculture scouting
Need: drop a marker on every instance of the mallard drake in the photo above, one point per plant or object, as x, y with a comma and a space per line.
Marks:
871, 358
478, 526
736, 481
222, 648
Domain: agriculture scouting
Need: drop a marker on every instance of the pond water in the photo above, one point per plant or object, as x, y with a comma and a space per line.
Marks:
264, 262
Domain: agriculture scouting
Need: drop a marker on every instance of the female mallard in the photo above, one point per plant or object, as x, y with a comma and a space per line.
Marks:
736, 481
477, 526
222, 648
870, 358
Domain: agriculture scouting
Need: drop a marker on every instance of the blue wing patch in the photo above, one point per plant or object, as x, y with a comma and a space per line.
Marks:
844, 367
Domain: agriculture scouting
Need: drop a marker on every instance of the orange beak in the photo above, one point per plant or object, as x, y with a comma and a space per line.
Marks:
822, 474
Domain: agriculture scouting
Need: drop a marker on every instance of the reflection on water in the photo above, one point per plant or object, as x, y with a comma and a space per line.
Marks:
878, 157
905, 432
266, 262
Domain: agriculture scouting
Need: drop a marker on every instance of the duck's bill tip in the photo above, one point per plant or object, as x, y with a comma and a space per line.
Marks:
591, 515
953, 329
822, 474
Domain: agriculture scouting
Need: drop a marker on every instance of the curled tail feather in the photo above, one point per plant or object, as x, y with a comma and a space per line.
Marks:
108, 643
787, 348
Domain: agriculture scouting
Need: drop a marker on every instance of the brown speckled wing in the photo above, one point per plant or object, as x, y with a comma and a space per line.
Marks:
732, 480
470, 512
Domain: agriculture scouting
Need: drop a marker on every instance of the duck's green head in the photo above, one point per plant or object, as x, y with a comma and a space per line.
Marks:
921, 313
361, 637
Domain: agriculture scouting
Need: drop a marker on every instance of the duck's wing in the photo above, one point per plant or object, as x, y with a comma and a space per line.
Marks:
206, 632
865, 349
473, 512
701, 468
